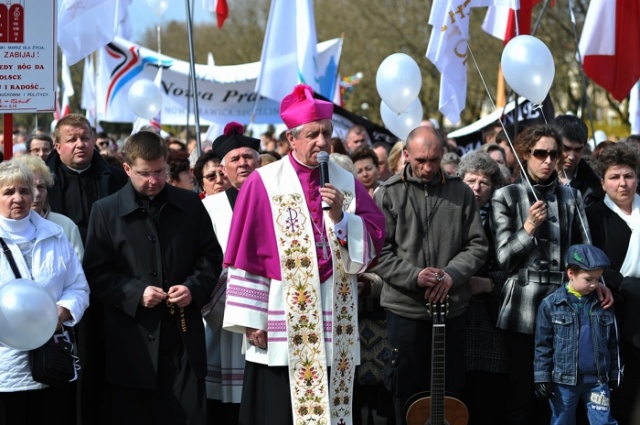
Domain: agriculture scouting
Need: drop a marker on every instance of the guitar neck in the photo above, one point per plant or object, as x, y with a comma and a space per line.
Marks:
437, 372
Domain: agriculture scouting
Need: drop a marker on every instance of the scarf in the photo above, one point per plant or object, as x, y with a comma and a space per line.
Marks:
19, 231
631, 265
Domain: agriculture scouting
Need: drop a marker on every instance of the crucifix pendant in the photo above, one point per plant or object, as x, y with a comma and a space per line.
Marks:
323, 244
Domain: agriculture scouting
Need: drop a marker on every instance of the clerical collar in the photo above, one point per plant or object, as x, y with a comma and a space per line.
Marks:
311, 167
79, 171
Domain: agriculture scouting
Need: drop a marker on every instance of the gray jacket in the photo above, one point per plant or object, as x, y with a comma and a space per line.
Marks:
535, 264
433, 224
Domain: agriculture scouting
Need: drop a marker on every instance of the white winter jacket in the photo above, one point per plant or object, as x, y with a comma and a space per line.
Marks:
56, 267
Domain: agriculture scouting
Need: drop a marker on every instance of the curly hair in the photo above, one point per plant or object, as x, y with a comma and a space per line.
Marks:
481, 163
617, 154
201, 162
178, 161
530, 136
364, 152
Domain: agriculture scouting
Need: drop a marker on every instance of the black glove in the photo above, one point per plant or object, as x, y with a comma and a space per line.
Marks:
543, 389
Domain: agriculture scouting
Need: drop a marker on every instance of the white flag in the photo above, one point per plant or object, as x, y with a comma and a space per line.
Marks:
634, 109
289, 52
67, 88
447, 50
88, 101
86, 25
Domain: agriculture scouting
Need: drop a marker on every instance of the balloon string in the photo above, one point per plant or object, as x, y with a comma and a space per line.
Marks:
506, 133
584, 226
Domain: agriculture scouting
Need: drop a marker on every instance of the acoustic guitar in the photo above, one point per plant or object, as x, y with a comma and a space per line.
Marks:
434, 408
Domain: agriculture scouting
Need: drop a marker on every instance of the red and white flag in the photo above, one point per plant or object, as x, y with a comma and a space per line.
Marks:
610, 45
447, 50
501, 21
219, 7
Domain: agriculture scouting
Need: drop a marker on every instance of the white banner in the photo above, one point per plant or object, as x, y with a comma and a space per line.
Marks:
27, 56
225, 93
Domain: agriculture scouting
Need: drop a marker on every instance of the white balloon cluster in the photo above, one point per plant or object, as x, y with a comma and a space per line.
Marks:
145, 99
528, 67
398, 81
158, 7
28, 315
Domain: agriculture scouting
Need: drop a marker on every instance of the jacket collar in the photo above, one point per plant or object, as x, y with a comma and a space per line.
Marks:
407, 175
54, 162
545, 187
128, 202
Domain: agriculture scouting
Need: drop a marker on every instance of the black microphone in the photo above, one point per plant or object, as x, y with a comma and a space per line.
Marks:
323, 161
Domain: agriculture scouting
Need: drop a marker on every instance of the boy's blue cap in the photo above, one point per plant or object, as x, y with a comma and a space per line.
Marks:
586, 257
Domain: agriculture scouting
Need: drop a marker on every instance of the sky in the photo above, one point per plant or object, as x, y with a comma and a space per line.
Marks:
142, 16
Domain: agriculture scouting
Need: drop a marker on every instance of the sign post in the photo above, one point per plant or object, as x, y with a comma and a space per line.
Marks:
28, 60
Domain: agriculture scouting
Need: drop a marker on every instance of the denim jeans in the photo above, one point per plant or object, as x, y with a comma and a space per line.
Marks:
596, 397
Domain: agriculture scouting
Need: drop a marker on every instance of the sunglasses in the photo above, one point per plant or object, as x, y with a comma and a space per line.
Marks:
542, 154
212, 176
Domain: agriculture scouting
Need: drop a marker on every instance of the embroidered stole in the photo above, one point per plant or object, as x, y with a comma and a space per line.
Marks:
311, 401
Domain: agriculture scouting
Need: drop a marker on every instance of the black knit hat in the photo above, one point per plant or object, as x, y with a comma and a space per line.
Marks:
233, 138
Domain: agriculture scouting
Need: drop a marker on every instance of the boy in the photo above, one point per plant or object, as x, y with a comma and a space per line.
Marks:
576, 346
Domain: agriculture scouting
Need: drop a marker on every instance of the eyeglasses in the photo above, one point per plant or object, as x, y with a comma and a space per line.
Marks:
148, 174
542, 154
213, 176
103, 144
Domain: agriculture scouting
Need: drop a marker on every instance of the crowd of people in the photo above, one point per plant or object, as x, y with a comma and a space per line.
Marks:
254, 285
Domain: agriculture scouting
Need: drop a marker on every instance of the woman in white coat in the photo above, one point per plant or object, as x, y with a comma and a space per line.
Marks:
43, 254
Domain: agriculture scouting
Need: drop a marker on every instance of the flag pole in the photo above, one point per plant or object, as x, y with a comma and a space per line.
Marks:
194, 85
582, 73
539, 18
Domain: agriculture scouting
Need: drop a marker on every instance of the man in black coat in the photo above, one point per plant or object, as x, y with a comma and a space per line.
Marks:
152, 259
576, 172
82, 177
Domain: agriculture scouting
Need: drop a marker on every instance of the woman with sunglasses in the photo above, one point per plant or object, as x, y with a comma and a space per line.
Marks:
209, 176
534, 221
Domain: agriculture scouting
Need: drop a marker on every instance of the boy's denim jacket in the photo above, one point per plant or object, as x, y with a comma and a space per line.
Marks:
556, 340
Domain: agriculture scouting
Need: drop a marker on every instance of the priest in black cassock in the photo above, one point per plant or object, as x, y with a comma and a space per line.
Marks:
82, 177
225, 361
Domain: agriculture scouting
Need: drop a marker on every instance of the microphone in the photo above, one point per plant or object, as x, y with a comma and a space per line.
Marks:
323, 161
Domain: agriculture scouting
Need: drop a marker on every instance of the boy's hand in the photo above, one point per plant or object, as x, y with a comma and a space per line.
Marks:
543, 389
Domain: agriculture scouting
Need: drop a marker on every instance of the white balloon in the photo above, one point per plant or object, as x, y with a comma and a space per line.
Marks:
398, 81
402, 124
145, 99
158, 7
28, 314
528, 67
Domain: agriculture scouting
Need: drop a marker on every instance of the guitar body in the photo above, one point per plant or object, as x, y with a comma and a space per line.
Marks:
455, 412
435, 408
